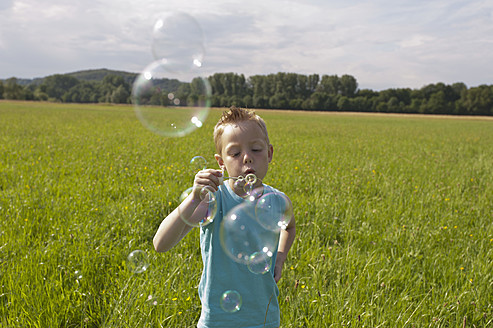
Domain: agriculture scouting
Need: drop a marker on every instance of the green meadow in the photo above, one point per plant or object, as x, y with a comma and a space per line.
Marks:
394, 218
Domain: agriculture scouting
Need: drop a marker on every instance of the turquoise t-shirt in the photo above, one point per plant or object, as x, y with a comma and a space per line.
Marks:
258, 291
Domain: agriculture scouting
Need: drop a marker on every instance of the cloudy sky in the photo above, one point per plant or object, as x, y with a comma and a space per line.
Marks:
382, 43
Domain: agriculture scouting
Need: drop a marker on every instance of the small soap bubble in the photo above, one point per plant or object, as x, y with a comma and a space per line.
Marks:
198, 163
274, 211
169, 103
248, 185
231, 301
239, 183
137, 261
251, 178
241, 235
152, 300
248, 188
179, 39
78, 275
252, 194
260, 262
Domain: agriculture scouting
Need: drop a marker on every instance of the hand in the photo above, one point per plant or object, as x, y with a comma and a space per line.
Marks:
209, 178
277, 272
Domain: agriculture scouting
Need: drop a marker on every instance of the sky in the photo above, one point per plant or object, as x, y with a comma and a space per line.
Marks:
382, 43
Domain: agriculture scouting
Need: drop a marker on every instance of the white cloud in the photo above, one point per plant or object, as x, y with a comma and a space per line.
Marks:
416, 41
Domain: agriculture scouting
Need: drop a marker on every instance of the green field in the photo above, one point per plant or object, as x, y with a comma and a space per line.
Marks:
394, 218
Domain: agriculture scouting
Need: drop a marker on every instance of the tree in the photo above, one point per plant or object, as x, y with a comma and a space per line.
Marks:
260, 101
278, 101
344, 104
316, 101
120, 95
312, 82
280, 90
84, 92
14, 91
477, 101
114, 88
216, 86
56, 85
247, 101
348, 86
330, 84
360, 104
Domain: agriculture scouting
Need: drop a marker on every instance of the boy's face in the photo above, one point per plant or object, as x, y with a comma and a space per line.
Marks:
244, 150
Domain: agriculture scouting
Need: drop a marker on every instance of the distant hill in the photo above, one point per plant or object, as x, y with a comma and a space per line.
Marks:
25, 82
99, 74
85, 75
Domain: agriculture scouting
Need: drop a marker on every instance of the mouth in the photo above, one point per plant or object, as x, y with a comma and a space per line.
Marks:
248, 171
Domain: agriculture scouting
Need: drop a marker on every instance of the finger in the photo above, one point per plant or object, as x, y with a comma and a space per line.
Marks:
209, 178
277, 274
209, 173
216, 177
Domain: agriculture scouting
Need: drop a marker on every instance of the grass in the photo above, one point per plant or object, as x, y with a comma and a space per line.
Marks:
394, 219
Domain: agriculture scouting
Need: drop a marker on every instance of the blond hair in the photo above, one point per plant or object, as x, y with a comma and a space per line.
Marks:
236, 115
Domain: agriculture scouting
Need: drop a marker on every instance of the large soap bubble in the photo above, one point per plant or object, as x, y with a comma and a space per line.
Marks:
244, 239
171, 103
179, 40
206, 207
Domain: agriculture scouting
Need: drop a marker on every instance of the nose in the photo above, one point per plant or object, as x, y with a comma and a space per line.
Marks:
247, 158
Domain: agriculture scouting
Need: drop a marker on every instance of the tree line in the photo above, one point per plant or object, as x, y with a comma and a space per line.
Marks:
274, 91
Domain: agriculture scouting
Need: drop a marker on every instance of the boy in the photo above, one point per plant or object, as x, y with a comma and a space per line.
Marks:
243, 148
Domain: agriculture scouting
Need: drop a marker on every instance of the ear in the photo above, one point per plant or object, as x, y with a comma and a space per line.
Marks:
220, 161
270, 152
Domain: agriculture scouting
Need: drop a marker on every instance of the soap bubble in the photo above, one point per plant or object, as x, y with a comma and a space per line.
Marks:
252, 194
239, 183
251, 178
274, 211
247, 184
248, 188
259, 263
242, 236
152, 300
185, 194
207, 194
231, 301
170, 103
179, 39
198, 163
137, 261
206, 208
78, 275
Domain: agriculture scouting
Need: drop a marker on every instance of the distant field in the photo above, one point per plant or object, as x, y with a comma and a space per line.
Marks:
394, 218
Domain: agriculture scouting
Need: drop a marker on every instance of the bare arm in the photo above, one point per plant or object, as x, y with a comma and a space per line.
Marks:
286, 240
173, 228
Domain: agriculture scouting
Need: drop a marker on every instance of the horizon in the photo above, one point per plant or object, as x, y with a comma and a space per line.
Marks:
137, 73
